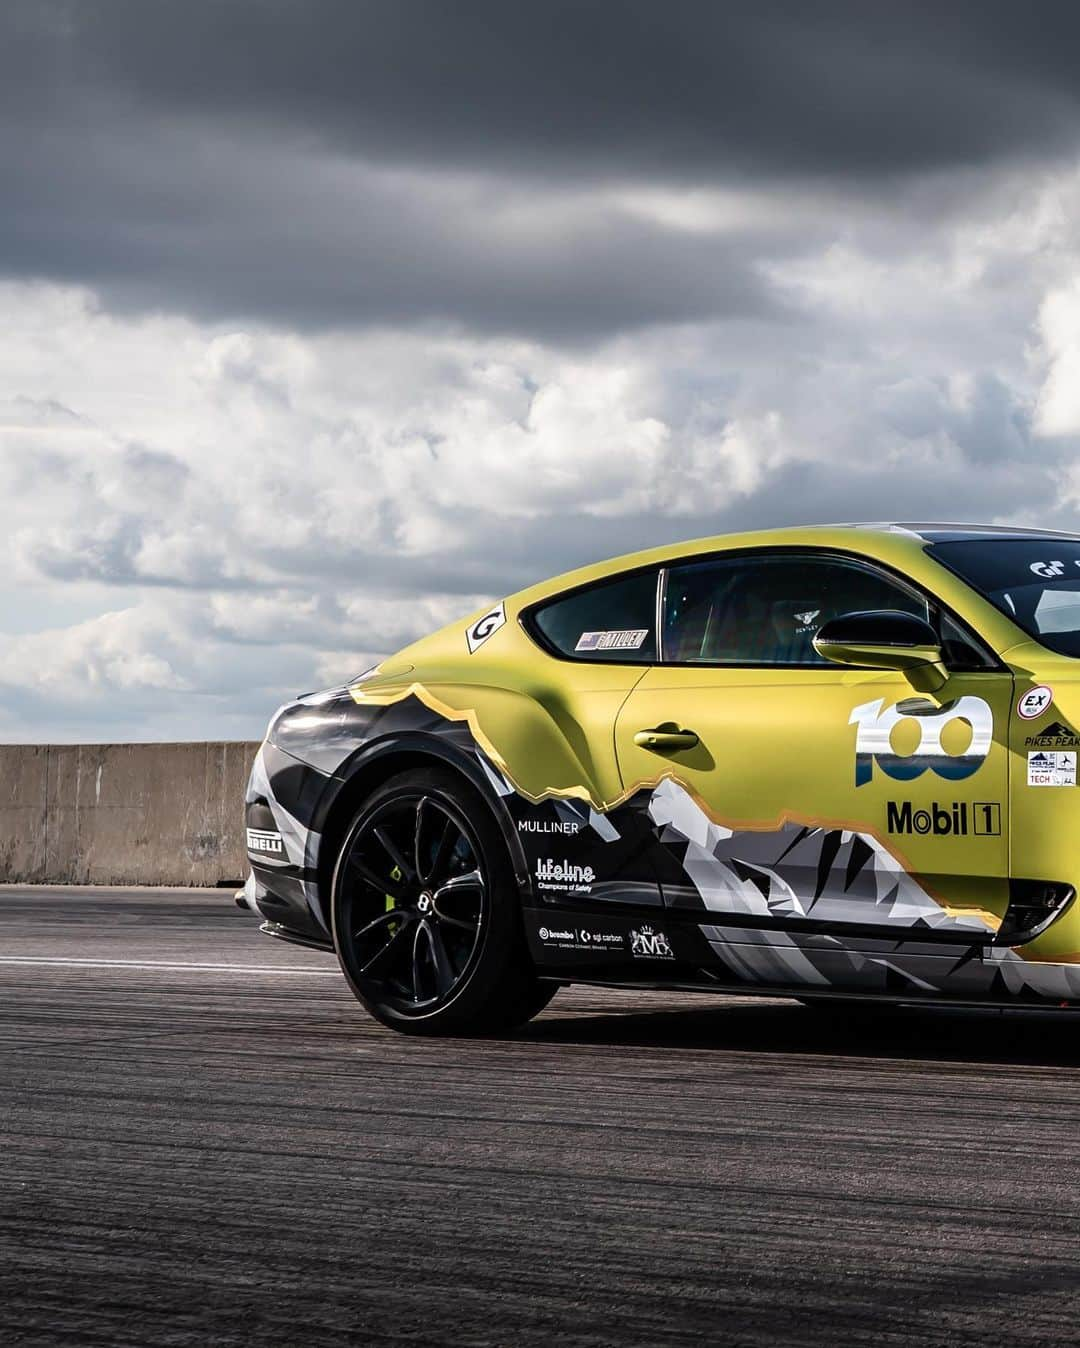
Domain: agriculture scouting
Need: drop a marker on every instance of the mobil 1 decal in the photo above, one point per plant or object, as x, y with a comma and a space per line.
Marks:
945, 819
915, 736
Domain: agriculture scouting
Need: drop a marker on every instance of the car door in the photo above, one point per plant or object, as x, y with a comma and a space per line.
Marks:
791, 795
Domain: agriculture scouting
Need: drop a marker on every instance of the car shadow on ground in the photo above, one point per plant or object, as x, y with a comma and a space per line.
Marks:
1016, 1038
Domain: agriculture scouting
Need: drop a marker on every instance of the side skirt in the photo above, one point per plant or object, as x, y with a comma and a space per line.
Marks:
800, 994
296, 938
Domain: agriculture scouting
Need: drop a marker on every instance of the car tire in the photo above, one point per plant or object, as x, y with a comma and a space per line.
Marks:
426, 914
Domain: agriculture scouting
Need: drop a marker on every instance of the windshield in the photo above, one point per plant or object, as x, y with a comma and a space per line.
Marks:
1036, 581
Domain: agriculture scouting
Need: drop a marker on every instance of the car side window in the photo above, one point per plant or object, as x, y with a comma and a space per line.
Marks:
765, 610
614, 621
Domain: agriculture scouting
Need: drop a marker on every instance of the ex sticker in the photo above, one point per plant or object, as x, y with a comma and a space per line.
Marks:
1034, 702
485, 627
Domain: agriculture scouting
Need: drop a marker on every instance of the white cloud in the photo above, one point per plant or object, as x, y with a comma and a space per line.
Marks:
221, 517
114, 654
1058, 409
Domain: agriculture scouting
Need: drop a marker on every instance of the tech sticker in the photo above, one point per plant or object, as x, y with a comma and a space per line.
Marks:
1034, 702
1049, 768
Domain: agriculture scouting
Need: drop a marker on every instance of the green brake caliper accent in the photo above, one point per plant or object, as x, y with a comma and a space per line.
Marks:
391, 902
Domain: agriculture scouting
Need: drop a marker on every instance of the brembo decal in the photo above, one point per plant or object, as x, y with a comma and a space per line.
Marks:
591, 940
484, 627
876, 723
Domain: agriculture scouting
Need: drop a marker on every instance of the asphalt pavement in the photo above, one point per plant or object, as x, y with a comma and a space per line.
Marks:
204, 1140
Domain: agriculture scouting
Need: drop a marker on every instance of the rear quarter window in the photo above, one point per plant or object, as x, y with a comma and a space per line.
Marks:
614, 621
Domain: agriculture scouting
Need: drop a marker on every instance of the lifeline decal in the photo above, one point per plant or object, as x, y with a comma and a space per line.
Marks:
564, 877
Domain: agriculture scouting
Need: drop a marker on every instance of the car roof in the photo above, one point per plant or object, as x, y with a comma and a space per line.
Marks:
891, 541
955, 533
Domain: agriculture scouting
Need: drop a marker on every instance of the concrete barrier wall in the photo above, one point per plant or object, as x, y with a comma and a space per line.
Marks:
123, 814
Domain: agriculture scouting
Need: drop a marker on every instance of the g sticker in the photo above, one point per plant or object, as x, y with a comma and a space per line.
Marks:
873, 739
485, 627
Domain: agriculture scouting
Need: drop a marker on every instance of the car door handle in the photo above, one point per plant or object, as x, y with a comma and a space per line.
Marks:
664, 737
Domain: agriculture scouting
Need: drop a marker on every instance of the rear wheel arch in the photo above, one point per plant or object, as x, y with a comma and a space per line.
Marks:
375, 765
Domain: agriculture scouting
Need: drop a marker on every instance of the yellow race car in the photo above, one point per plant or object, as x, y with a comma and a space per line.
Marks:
822, 762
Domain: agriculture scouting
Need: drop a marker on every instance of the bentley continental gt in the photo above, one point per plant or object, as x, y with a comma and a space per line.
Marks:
832, 763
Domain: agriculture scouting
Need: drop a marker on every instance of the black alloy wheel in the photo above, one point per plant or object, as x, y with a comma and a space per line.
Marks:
418, 897
426, 924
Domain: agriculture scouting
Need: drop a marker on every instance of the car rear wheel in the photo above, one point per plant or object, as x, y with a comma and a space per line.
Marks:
426, 917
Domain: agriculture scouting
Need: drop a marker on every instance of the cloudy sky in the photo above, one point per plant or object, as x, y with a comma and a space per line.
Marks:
324, 322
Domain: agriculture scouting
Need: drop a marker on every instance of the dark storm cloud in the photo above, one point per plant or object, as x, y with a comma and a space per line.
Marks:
628, 86
167, 221
237, 159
